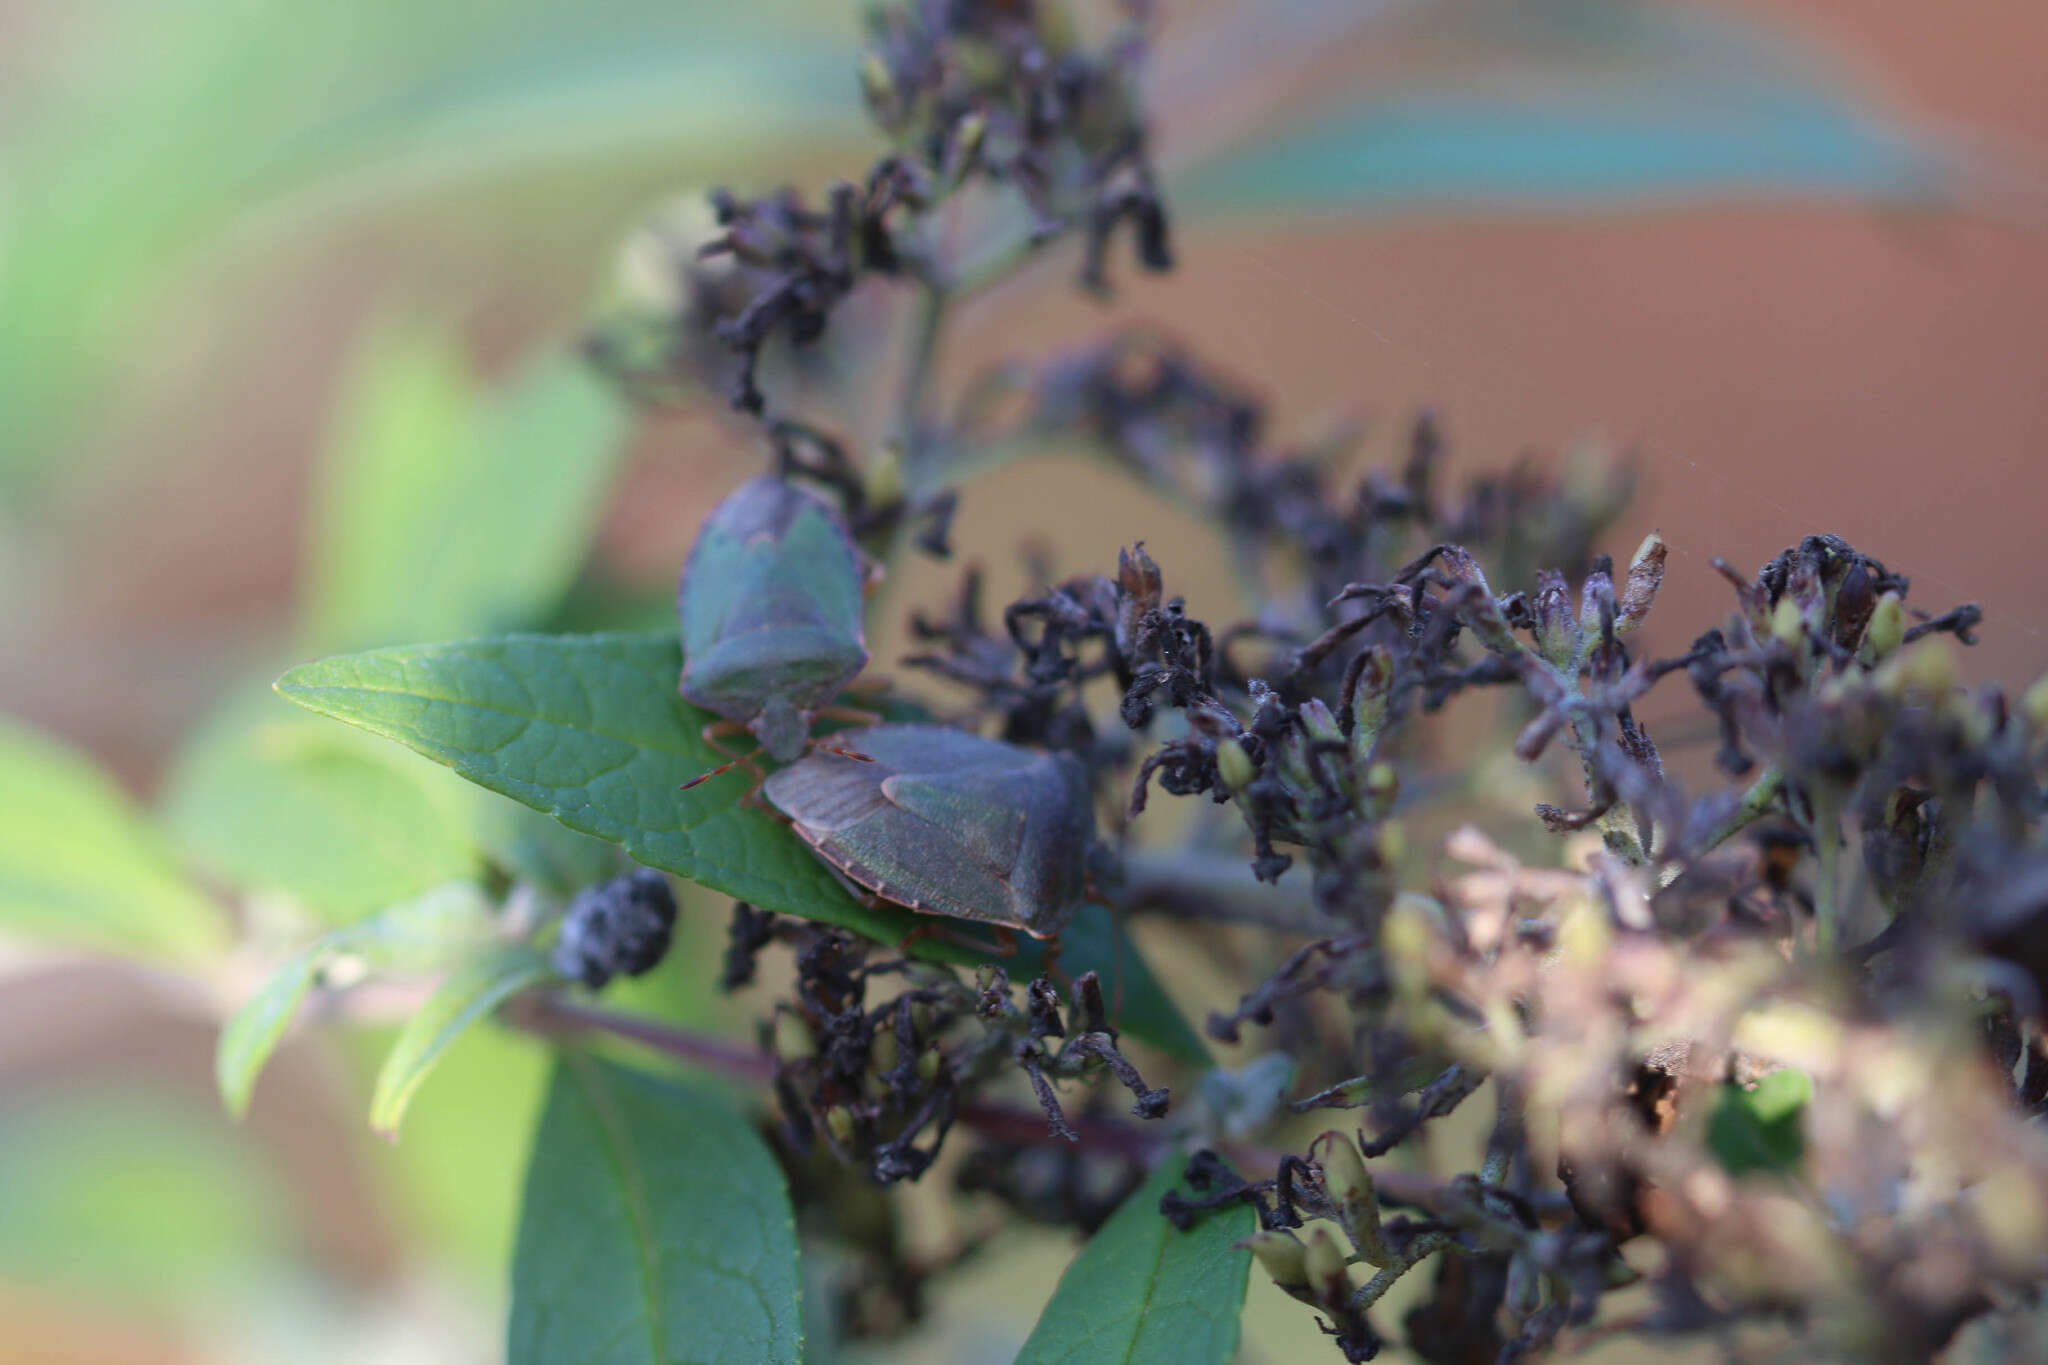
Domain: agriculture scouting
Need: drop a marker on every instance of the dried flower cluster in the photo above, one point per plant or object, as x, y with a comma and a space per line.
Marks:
1762, 1047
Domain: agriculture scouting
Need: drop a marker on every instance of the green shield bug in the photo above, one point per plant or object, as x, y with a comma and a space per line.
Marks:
770, 602
948, 823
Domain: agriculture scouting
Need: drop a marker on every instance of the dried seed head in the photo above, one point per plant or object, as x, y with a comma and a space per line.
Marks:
619, 928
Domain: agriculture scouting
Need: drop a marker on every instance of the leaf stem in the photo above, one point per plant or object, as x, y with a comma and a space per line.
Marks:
550, 1015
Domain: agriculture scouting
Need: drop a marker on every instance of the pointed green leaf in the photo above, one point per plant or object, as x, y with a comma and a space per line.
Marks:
1141, 1293
470, 993
426, 933
79, 865
590, 729
656, 1229
251, 1034
278, 803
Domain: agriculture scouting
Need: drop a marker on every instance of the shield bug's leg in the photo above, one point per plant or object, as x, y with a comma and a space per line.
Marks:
843, 753
867, 685
711, 734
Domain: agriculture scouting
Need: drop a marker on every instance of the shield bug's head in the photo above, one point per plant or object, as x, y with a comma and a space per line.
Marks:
948, 823
770, 605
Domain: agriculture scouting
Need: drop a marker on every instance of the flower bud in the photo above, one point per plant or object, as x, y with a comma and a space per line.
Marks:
1557, 631
1350, 1187
875, 81
1596, 602
839, 1123
1787, 627
966, 145
1886, 629
1235, 766
1320, 724
930, 1063
2034, 704
1372, 686
1282, 1256
882, 482
1639, 590
1326, 1265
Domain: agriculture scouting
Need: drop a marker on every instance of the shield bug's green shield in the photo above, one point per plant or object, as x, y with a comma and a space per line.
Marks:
948, 823
771, 613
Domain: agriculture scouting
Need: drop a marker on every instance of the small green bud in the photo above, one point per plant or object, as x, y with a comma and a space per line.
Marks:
839, 1123
1557, 631
1886, 629
1350, 1187
1281, 1256
1931, 668
1371, 689
1596, 599
875, 81
1235, 766
1326, 1265
965, 148
882, 481
929, 1063
2034, 704
1787, 626
1320, 724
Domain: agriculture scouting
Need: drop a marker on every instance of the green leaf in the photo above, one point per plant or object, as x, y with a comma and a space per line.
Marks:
1585, 101
590, 729
276, 802
1141, 1293
451, 511
426, 933
127, 1192
470, 993
78, 863
251, 1034
1760, 1129
181, 147
656, 1229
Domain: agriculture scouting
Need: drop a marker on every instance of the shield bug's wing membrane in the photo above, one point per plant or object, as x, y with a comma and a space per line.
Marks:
984, 815
838, 807
948, 823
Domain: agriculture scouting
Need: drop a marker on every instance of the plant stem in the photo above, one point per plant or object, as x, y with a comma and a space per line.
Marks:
1416, 1252
926, 329
1755, 802
550, 1015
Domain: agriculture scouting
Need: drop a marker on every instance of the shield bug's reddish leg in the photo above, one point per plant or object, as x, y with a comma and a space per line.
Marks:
770, 604
948, 823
